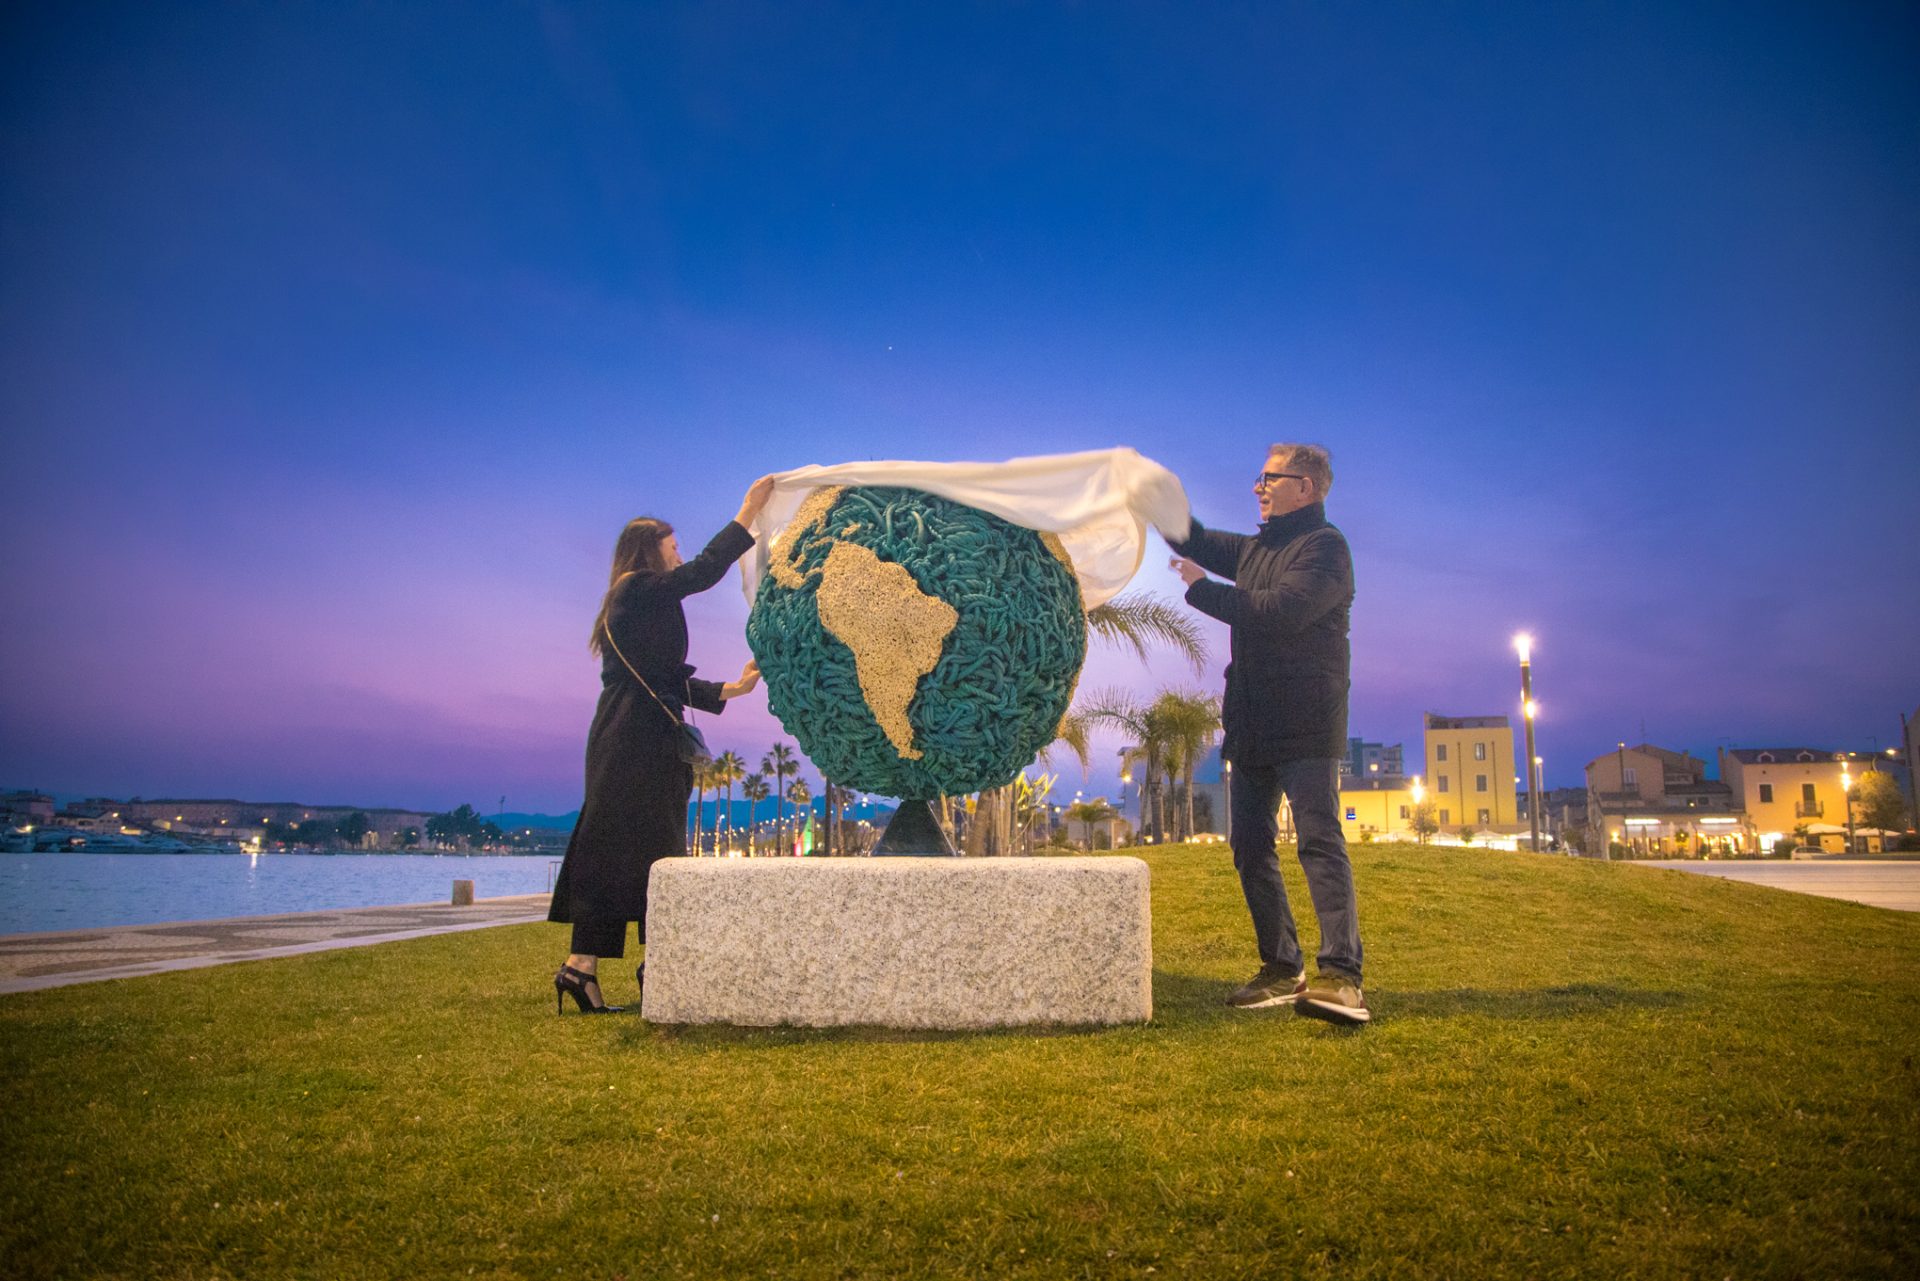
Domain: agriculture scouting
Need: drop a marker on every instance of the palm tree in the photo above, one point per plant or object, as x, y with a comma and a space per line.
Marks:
802, 797
728, 769
754, 788
693, 814
1147, 725
707, 778
1191, 722
1090, 812
1139, 621
779, 762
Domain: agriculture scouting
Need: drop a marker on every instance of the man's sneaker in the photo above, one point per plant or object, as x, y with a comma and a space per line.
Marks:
1273, 985
1333, 998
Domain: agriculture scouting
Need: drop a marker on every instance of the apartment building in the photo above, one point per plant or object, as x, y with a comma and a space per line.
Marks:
1470, 776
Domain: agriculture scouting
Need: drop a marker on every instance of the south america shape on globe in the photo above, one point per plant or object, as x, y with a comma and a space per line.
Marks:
914, 646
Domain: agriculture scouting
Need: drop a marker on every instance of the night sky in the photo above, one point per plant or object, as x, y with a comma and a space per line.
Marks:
337, 343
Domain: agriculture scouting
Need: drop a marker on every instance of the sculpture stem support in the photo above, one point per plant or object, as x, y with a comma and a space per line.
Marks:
913, 831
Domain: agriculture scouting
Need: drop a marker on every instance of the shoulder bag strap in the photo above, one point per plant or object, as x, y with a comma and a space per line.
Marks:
680, 720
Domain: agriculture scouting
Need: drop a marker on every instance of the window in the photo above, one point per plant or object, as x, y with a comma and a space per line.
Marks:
1479, 782
1479, 751
1440, 752
1806, 794
1629, 777
1766, 757
1483, 816
1446, 816
1443, 782
1403, 812
1766, 793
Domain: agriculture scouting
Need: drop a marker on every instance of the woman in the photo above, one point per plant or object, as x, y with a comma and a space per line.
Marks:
638, 785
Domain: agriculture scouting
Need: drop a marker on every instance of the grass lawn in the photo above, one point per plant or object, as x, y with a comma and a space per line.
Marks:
1575, 1069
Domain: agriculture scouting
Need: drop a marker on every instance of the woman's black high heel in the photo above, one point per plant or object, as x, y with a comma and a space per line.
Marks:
570, 981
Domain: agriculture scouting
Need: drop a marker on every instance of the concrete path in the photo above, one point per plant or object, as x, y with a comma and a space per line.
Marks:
32, 961
1877, 884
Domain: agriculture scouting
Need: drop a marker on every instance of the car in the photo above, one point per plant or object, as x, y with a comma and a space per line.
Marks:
1806, 851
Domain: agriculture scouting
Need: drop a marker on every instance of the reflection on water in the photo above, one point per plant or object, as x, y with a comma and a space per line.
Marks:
86, 891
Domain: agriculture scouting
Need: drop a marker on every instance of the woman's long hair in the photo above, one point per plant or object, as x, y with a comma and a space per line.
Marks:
639, 550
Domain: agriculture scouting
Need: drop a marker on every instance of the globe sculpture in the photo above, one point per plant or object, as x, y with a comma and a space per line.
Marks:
916, 647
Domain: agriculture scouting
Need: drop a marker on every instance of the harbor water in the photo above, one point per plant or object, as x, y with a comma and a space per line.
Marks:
87, 891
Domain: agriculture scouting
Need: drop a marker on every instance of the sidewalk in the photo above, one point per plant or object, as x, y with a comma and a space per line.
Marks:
32, 961
1894, 885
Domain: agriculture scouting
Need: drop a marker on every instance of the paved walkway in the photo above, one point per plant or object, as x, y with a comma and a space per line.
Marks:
31, 961
1877, 884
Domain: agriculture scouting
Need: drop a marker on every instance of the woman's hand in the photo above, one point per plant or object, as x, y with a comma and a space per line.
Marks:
749, 677
755, 502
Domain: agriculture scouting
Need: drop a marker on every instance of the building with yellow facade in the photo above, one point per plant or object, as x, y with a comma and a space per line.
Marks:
1797, 792
1470, 775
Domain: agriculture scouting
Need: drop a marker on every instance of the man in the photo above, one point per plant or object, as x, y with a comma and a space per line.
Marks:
1285, 717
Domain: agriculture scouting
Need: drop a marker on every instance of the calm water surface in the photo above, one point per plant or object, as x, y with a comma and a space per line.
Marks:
86, 891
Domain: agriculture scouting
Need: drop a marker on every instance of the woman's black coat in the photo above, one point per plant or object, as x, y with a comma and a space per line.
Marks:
635, 811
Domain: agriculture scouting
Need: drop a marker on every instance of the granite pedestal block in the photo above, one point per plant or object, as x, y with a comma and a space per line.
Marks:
899, 942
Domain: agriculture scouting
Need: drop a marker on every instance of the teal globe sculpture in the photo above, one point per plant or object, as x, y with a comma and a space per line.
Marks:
916, 647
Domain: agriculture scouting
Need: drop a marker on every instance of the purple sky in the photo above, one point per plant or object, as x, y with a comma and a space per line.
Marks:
336, 345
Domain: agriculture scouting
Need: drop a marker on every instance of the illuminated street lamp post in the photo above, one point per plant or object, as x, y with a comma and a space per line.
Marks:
1846, 799
1540, 772
1524, 643
1419, 795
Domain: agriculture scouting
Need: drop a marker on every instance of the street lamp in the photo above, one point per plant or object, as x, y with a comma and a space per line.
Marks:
1419, 794
1524, 643
1846, 798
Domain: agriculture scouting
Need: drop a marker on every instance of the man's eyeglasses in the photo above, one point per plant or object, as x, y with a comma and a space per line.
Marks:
1266, 478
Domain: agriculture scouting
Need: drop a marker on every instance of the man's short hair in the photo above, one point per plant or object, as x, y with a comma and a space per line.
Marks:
1315, 462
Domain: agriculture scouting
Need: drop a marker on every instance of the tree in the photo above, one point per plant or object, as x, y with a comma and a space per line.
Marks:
777, 764
802, 797
729, 769
410, 839
1091, 812
1191, 725
702, 780
354, 827
1424, 820
1466, 835
457, 825
754, 788
1877, 802
1119, 709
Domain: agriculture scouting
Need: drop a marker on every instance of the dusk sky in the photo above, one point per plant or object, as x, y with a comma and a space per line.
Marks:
338, 342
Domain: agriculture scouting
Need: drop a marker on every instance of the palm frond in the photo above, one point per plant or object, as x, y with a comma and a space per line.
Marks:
1140, 620
1073, 734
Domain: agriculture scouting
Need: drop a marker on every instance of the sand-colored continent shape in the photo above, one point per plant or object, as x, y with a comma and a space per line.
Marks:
895, 630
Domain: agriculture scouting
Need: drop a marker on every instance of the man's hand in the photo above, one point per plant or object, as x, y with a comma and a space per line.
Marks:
749, 677
1189, 572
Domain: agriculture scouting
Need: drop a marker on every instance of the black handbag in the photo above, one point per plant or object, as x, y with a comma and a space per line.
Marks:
689, 742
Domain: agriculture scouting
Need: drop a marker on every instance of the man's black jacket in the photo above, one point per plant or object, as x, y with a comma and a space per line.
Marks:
1289, 607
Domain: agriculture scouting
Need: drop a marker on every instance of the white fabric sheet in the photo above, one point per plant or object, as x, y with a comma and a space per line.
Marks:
1099, 503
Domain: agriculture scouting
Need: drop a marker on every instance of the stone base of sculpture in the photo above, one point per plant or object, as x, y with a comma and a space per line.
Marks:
902, 943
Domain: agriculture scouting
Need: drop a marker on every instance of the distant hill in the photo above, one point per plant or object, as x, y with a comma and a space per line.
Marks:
549, 822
